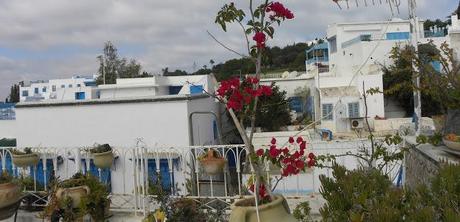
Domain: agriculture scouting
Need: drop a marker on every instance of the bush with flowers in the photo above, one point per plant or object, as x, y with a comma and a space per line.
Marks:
241, 96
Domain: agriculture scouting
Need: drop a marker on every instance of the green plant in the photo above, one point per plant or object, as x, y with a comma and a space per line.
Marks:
302, 212
5, 177
185, 209
26, 150
101, 148
95, 203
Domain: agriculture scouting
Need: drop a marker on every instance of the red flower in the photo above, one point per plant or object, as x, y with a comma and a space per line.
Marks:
299, 139
279, 11
262, 191
311, 163
303, 145
259, 37
296, 155
311, 156
273, 141
285, 150
291, 139
299, 164
260, 152
266, 90
274, 153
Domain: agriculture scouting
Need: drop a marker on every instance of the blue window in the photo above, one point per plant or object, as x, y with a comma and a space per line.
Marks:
296, 104
353, 110
40, 172
36, 90
214, 129
91, 83
174, 90
398, 35
327, 111
25, 93
62, 86
80, 95
436, 65
166, 180
106, 174
44, 89
196, 89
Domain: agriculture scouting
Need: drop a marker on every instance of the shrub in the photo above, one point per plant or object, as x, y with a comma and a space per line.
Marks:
302, 212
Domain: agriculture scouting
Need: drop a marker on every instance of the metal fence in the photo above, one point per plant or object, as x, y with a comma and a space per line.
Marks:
176, 169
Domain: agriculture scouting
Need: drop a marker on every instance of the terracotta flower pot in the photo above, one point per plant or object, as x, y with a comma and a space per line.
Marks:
275, 211
103, 160
25, 160
212, 165
9, 194
75, 193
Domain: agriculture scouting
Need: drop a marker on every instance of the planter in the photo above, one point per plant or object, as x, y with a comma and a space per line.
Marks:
451, 144
25, 160
9, 194
275, 211
212, 165
75, 193
103, 160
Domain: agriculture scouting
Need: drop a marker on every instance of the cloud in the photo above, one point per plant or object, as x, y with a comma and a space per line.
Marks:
60, 38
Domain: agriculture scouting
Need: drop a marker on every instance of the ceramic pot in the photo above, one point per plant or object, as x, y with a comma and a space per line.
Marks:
103, 160
451, 144
211, 164
9, 194
275, 211
75, 193
25, 160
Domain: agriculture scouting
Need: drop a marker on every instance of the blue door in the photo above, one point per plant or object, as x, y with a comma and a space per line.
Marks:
106, 176
80, 95
166, 180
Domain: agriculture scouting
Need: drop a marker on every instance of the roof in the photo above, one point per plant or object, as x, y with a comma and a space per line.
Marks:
340, 91
112, 101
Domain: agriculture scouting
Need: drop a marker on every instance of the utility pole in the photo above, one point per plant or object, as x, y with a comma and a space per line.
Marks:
414, 29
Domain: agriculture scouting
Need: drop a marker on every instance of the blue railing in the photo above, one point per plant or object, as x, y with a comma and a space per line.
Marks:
360, 38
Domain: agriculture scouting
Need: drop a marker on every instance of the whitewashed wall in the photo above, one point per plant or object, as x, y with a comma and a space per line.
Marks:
8, 129
120, 124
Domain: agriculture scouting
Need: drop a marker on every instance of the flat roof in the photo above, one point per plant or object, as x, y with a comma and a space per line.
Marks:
111, 101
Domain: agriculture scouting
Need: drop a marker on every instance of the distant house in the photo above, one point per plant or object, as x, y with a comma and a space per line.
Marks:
75, 88
350, 63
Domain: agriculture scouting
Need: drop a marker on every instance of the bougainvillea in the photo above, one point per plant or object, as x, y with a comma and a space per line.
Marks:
292, 159
239, 94
279, 11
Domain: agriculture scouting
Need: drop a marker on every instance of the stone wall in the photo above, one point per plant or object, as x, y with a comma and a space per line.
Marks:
422, 163
420, 168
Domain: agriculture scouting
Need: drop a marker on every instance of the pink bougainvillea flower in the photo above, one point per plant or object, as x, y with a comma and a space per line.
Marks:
260, 38
273, 141
291, 139
299, 139
279, 11
260, 152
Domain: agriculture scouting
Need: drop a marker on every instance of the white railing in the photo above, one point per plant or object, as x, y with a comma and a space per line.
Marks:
134, 168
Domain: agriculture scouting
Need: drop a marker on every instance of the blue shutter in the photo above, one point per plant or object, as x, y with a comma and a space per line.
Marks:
8, 165
174, 90
398, 35
164, 172
436, 65
214, 129
40, 173
296, 104
106, 174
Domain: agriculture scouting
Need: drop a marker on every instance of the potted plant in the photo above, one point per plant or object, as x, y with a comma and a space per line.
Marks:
25, 158
10, 190
102, 156
452, 141
76, 197
212, 162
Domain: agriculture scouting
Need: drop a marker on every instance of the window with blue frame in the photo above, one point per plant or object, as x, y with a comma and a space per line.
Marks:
80, 95
165, 176
296, 104
25, 93
327, 111
174, 90
105, 177
40, 174
398, 35
44, 89
36, 90
196, 89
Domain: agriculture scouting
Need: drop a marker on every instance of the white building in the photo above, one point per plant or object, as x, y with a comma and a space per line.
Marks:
75, 88
350, 63
158, 86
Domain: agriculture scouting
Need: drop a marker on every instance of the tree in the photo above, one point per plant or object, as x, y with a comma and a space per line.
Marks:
177, 72
397, 79
273, 111
112, 66
14, 94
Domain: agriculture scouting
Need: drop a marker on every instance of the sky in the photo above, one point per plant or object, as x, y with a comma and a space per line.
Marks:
50, 39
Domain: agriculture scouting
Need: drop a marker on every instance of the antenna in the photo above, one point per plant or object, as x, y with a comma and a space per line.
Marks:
393, 4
